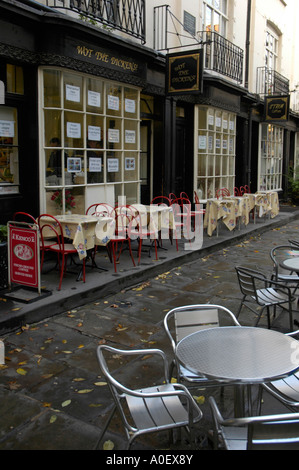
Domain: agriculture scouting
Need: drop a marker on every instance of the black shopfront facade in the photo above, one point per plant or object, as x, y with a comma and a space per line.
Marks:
101, 99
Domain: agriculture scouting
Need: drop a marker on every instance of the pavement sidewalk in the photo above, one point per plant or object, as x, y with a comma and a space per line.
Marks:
52, 393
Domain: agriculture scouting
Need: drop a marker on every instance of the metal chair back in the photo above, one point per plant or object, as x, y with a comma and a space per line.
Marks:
159, 407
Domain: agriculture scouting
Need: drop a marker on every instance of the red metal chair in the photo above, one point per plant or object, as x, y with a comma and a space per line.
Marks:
158, 200
182, 216
139, 228
61, 248
172, 197
101, 208
24, 217
237, 192
123, 218
184, 195
223, 192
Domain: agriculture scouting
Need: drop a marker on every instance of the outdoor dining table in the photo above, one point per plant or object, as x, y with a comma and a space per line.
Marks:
216, 209
266, 202
85, 231
239, 356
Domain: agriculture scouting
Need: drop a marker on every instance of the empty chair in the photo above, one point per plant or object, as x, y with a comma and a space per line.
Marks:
279, 255
123, 218
101, 208
182, 217
274, 432
50, 226
172, 197
140, 229
160, 406
158, 200
260, 293
24, 217
286, 390
182, 321
184, 195
237, 192
223, 192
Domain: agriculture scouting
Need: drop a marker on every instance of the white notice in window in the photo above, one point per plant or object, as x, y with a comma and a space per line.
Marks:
113, 136
130, 137
72, 93
130, 106
94, 98
112, 164
73, 130
7, 128
113, 102
94, 133
95, 164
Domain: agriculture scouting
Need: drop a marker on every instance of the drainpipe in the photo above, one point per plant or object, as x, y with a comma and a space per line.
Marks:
247, 48
247, 53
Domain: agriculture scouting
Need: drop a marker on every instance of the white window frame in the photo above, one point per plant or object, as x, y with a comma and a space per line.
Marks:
271, 157
214, 150
99, 192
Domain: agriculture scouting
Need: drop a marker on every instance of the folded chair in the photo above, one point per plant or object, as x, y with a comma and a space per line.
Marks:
182, 321
260, 293
159, 407
274, 432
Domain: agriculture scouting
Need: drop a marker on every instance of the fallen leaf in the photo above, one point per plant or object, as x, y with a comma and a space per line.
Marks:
21, 371
85, 390
66, 403
108, 445
53, 419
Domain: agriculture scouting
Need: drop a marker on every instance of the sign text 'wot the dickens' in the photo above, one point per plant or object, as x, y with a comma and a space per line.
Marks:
184, 73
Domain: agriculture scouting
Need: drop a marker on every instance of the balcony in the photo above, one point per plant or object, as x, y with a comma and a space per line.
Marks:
270, 82
220, 55
127, 16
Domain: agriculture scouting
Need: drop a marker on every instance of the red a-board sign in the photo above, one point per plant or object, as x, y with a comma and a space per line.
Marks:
24, 256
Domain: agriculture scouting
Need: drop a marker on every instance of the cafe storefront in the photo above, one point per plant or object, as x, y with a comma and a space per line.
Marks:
74, 103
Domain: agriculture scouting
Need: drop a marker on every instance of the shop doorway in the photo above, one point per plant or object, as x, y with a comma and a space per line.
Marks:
183, 171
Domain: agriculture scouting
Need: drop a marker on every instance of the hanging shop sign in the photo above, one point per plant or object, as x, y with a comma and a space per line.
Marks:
184, 72
277, 108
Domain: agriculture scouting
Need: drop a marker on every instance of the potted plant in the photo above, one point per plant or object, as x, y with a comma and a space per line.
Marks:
3, 234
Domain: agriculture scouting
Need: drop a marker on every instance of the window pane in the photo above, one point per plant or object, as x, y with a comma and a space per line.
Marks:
73, 98
52, 95
9, 154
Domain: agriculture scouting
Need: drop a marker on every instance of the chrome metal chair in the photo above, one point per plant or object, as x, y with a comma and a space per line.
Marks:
263, 293
278, 255
162, 406
271, 432
286, 390
182, 321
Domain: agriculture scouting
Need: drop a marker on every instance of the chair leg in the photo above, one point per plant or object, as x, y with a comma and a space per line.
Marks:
105, 427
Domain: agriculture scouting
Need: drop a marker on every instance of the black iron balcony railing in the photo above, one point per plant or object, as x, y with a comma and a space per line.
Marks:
220, 55
270, 82
127, 16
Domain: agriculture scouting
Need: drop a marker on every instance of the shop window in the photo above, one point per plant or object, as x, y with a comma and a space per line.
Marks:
14, 79
215, 151
270, 167
90, 138
9, 151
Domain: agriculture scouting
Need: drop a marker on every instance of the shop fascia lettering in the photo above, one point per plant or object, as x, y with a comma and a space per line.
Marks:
18, 237
107, 58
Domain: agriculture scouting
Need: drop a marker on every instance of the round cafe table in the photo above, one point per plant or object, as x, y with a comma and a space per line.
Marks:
239, 356
292, 264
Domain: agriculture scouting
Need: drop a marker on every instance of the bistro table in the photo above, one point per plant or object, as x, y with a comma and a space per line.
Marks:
239, 356
216, 209
85, 231
292, 264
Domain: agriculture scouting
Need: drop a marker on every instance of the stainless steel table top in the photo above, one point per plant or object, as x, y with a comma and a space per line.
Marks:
292, 263
239, 354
